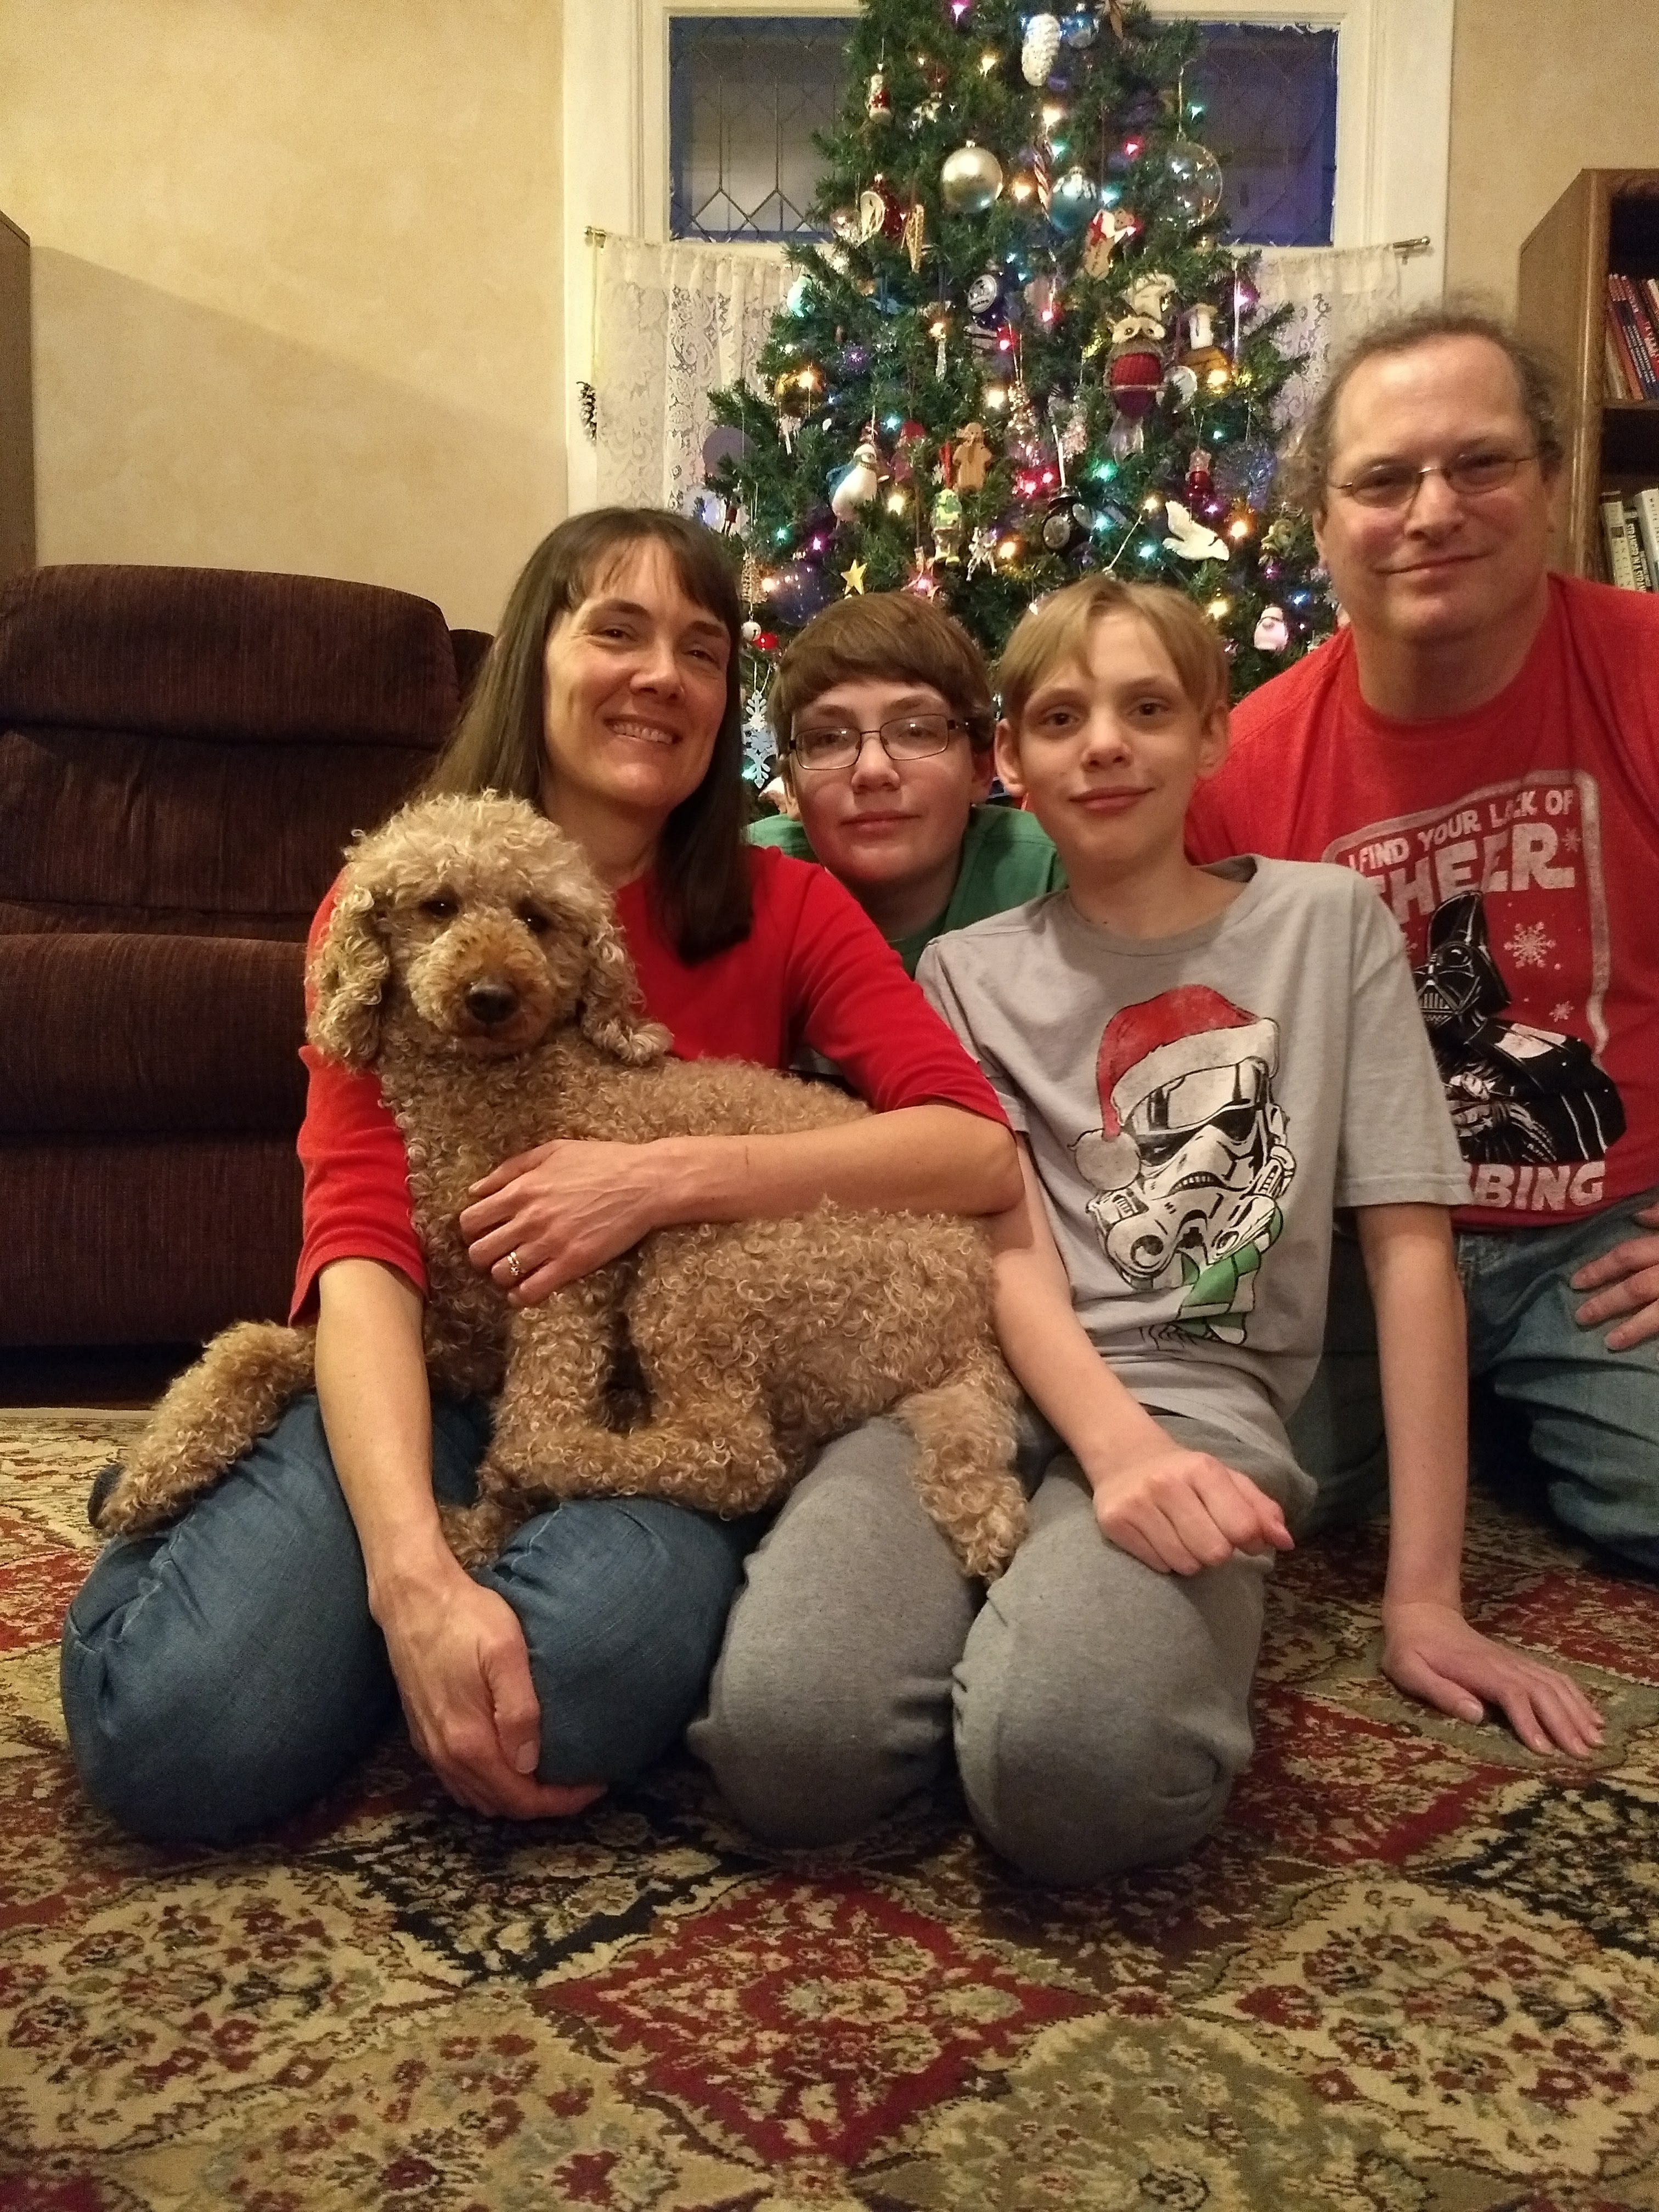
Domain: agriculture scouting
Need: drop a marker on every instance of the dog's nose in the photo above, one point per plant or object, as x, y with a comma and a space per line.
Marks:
490, 1003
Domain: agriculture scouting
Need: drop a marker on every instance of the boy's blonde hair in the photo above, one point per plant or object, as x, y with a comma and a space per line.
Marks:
1057, 631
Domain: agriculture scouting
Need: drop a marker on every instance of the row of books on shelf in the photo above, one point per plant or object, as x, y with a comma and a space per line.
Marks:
1632, 337
1630, 532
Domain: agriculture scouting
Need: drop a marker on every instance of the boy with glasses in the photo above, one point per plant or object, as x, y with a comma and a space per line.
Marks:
882, 709
1482, 743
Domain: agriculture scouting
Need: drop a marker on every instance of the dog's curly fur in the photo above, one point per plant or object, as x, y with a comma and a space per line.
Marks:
472, 960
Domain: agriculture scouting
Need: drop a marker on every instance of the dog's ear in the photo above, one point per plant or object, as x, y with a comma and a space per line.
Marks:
610, 1017
347, 979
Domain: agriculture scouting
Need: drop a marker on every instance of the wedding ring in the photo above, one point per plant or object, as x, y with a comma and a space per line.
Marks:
513, 1264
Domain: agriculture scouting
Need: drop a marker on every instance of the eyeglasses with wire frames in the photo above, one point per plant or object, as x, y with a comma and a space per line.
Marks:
825, 748
1391, 485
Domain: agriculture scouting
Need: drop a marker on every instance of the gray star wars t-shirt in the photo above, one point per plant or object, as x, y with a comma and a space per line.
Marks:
1196, 1106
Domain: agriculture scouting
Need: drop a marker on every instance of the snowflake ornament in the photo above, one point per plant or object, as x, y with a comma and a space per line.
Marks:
759, 746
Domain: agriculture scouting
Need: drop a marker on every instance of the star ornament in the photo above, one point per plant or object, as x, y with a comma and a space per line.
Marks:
1188, 538
853, 580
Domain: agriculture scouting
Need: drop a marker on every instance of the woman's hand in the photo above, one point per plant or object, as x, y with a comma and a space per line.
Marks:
563, 1209
1430, 1651
463, 1676
1180, 1511
569, 1206
1625, 1281
457, 1651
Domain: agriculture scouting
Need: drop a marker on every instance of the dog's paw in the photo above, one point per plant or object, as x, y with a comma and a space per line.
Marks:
988, 1544
101, 1497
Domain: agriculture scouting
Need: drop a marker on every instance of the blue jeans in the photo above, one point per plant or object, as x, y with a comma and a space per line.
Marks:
1591, 1415
220, 1676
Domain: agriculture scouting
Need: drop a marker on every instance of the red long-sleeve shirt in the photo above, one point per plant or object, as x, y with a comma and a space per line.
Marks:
813, 970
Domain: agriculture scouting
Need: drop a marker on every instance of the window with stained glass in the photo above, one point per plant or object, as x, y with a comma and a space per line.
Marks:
746, 93
1264, 102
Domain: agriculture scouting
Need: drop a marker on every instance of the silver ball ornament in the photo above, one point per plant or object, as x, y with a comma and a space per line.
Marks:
1196, 179
1073, 202
971, 179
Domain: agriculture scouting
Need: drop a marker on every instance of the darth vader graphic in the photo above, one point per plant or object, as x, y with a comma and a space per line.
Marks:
1517, 1094
1190, 1160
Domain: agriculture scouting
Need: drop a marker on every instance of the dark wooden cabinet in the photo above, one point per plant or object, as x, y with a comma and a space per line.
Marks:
1607, 219
16, 404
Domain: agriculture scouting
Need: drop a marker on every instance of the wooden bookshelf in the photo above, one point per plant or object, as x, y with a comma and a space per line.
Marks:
1607, 219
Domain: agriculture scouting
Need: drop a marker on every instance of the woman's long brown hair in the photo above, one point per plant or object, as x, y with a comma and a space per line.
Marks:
702, 874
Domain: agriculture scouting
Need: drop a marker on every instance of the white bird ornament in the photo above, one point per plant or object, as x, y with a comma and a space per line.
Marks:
858, 481
1190, 539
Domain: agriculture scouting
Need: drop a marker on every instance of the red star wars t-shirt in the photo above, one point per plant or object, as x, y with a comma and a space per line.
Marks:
1518, 846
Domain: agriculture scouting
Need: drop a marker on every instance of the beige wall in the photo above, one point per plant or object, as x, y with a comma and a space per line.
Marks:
1541, 89
297, 262
296, 282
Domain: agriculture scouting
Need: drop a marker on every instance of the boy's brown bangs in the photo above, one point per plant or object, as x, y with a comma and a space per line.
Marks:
890, 638
1057, 632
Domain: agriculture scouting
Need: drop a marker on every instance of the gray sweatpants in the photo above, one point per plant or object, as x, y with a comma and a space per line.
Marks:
1100, 1712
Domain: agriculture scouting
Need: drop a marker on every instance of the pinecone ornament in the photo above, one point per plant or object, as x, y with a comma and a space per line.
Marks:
1042, 44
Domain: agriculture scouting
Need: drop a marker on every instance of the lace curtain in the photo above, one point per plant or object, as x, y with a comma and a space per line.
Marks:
1335, 293
674, 323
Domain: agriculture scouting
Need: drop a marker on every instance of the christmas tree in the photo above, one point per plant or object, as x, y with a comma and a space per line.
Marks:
1022, 349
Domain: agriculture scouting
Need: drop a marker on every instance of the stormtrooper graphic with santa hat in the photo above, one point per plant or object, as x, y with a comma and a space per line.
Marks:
1191, 1160
1193, 1132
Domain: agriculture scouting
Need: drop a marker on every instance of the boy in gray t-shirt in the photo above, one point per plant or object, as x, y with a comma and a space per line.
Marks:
1200, 1064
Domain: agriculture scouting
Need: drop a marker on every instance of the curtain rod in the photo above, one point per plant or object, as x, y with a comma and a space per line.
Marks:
1401, 246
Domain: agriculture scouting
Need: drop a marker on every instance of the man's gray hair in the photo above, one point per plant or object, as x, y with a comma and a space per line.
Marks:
1307, 465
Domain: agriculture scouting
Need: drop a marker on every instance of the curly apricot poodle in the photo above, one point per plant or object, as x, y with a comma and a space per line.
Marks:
472, 959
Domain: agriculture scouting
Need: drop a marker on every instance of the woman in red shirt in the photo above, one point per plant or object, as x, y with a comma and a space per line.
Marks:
219, 1675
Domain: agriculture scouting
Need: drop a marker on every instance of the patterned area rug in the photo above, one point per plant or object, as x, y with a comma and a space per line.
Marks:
1414, 1970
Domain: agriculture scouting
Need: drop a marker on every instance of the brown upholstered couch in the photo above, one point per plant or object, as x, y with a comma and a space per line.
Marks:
183, 755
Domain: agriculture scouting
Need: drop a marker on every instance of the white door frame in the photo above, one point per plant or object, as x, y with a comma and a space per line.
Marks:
1393, 139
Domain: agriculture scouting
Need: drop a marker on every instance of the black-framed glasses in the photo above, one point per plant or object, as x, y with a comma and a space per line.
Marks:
824, 747
1392, 485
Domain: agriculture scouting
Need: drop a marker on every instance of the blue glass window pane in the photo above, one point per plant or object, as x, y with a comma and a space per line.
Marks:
1269, 101
746, 94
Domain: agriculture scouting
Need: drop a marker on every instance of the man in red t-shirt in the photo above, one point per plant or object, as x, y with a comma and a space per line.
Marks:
1482, 742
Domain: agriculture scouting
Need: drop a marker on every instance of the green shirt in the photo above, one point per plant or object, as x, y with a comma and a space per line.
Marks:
1006, 859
